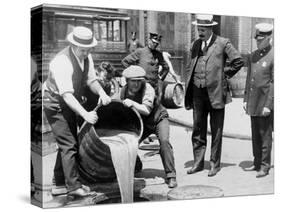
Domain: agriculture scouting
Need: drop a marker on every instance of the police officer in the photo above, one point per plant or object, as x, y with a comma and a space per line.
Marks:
258, 100
150, 59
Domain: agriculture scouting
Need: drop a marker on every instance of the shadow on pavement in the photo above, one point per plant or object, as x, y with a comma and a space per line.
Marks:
189, 164
245, 164
151, 173
151, 153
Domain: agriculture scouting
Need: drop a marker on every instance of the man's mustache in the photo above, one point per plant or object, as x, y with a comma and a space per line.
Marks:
201, 36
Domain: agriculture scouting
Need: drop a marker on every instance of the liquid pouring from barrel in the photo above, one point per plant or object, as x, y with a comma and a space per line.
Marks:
95, 159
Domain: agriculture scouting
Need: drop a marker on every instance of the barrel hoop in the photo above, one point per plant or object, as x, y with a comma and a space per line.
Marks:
97, 147
85, 176
93, 152
93, 166
96, 168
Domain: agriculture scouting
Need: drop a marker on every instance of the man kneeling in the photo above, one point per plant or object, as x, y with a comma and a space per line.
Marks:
141, 96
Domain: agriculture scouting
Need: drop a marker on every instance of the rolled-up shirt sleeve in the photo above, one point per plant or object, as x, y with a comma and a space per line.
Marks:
148, 97
62, 70
92, 74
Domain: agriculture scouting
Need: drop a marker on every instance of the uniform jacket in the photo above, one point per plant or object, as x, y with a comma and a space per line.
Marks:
149, 60
219, 49
259, 83
133, 45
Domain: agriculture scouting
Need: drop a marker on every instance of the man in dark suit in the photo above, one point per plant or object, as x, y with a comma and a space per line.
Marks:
258, 99
207, 90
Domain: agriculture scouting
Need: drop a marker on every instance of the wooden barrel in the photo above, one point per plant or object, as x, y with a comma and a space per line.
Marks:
95, 162
173, 95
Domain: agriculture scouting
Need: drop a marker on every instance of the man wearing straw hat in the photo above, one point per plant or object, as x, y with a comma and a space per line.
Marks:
140, 95
70, 72
258, 99
207, 90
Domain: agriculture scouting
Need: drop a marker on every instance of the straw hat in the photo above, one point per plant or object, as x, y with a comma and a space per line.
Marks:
262, 30
82, 37
204, 20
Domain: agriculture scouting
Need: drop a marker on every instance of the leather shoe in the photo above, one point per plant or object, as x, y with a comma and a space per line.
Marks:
251, 168
172, 182
59, 190
261, 173
79, 192
194, 169
213, 172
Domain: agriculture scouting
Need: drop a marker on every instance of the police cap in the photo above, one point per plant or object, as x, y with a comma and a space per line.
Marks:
263, 30
155, 37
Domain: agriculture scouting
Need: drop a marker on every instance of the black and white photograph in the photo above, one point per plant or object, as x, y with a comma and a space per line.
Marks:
140, 105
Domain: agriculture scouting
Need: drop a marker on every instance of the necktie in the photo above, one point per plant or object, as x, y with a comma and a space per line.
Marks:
205, 49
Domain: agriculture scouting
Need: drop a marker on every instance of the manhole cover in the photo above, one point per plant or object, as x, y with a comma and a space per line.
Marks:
194, 192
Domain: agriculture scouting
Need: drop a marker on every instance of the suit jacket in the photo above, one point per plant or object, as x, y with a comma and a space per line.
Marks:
259, 83
219, 49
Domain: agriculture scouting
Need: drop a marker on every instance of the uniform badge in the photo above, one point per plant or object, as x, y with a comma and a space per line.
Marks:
264, 64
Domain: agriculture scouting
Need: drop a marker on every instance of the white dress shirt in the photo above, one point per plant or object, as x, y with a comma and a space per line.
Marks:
207, 42
61, 70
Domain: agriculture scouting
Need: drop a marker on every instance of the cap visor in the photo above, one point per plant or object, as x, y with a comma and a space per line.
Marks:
259, 37
155, 41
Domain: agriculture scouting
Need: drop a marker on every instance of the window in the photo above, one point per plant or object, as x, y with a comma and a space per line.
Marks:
63, 26
108, 30
110, 34
84, 22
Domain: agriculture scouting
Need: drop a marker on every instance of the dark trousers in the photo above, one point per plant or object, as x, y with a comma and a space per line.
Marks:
157, 84
262, 140
166, 150
64, 128
201, 109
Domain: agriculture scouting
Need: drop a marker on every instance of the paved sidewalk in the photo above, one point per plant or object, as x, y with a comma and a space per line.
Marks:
236, 124
232, 180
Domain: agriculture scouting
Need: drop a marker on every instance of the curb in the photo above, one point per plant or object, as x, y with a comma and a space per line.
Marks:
225, 134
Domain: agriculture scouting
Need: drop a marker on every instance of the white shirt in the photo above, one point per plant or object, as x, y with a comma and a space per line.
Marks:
61, 70
207, 42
